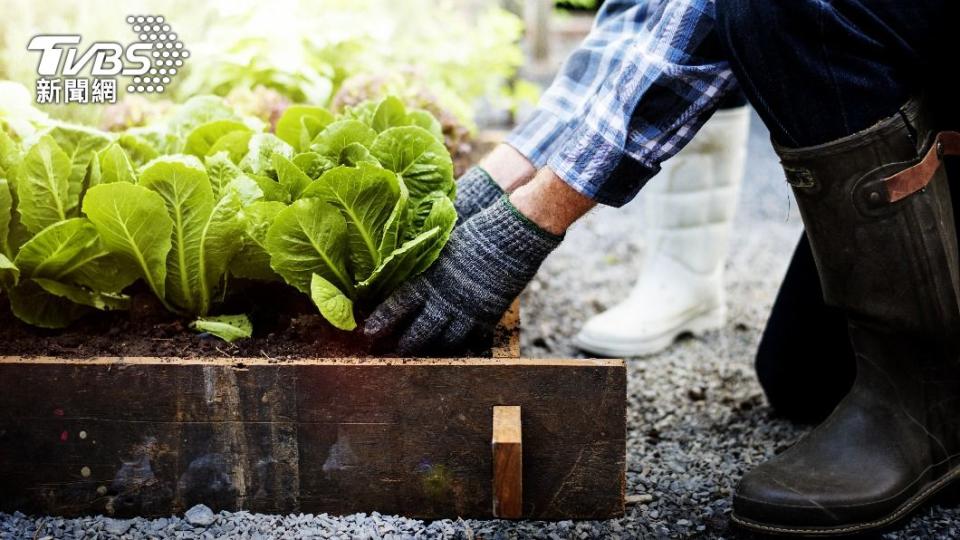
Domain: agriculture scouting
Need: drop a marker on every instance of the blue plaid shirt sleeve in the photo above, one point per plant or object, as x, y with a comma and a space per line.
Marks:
596, 59
646, 85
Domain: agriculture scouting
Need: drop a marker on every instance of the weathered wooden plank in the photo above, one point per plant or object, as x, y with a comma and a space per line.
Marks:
507, 446
143, 436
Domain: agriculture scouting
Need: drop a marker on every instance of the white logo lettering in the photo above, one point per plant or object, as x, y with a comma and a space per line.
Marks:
151, 62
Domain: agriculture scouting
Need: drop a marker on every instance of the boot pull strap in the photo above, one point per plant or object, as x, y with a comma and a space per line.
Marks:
913, 179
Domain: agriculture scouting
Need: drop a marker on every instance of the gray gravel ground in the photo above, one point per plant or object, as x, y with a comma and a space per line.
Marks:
697, 419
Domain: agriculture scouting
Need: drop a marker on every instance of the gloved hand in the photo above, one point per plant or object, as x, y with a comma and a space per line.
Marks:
485, 265
476, 190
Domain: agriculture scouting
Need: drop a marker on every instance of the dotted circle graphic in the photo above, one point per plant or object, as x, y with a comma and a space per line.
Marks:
166, 52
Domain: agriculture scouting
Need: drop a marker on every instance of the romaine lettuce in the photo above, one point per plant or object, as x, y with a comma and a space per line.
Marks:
343, 208
378, 218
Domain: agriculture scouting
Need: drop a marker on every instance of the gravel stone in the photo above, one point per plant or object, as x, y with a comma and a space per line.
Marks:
117, 526
200, 516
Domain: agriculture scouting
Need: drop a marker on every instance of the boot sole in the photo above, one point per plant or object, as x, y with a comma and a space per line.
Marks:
696, 325
843, 530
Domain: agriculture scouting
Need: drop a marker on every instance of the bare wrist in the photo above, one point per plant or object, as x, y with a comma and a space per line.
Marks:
550, 203
507, 167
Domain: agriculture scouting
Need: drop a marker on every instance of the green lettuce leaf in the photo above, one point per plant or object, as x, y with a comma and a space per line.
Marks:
390, 112
443, 214
138, 149
110, 273
221, 171
332, 303
253, 259
235, 144
226, 176
229, 328
354, 154
206, 232
291, 123
220, 239
60, 249
9, 153
202, 139
310, 237
313, 164
309, 129
272, 190
416, 254
244, 188
363, 112
81, 145
395, 227
9, 273
290, 176
422, 118
102, 301
159, 141
334, 138
197, 111
43, 185
401, 265
434, 210
259, 158
183, 185
133, 223
33, 305
112, 165
421, 160
365, 196
6, 215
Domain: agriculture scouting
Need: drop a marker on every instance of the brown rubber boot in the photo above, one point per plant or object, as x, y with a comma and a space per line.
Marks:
877, 210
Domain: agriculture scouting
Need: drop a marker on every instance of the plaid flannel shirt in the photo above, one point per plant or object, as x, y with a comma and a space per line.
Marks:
632, 95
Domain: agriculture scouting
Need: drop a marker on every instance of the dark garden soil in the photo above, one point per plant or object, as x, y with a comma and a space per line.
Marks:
286, 326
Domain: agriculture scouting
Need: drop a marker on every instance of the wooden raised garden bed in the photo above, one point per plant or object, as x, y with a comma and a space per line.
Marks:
152, 436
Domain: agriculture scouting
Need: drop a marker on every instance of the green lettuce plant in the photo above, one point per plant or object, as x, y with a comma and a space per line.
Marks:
344, 208
372, 204
54, 266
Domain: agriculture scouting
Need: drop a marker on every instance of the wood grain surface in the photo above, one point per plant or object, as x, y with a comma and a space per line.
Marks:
151, 436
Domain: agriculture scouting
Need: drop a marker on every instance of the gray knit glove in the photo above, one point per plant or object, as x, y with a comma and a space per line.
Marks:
486, 264
476, 190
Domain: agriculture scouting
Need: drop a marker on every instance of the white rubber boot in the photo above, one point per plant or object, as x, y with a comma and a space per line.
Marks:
690, 207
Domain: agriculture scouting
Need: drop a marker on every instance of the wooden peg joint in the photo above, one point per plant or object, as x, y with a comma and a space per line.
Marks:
507, 463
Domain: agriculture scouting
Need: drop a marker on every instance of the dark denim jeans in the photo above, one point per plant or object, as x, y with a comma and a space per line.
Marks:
816, 71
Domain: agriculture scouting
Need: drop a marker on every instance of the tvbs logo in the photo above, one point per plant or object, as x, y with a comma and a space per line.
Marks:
149, 64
